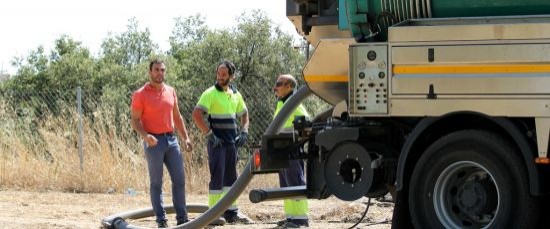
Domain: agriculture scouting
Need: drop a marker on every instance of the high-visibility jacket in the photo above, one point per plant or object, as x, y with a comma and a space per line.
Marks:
223, 109
299, 111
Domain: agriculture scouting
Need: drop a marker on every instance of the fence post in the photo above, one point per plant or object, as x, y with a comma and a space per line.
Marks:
79, 104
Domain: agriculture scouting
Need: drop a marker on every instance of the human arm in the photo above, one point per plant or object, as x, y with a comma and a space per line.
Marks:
202, 107
181, 129
243, 136
301, 110
199, 121
135, 122
245, 122
206, 131
242, 112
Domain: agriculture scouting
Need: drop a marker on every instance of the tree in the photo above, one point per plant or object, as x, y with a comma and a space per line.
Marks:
187, 34
187, 31
264, 50
32, 72
129, 48
71, 66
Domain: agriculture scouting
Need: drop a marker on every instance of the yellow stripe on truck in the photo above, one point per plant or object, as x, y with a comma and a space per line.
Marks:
468, 69
320, 79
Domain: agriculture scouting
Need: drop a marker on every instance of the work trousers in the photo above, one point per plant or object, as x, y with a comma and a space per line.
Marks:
295, 209
222, 161
293, 175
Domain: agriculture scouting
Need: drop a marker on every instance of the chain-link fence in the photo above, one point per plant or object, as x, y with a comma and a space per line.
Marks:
41, 123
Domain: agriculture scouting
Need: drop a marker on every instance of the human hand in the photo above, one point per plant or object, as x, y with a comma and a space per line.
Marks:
241, 139
187, 145
150, 140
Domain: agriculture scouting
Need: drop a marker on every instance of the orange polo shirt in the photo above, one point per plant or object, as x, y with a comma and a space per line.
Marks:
157, 106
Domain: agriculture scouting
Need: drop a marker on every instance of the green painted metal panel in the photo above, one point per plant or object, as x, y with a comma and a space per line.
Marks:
343, 23
472, 8
360, 15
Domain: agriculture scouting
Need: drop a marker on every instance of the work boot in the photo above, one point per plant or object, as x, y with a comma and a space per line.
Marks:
162, 224
294, 224
282, 222
238, 218
218, 222
180, 222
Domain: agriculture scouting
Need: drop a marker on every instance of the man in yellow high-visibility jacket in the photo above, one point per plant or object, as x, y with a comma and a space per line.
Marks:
296, 210
224, 106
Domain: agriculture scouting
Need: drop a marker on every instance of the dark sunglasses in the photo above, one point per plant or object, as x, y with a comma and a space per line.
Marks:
278, 84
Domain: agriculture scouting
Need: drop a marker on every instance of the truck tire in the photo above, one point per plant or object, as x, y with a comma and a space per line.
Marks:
471, 179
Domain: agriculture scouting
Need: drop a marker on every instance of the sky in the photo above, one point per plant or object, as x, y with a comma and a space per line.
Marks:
27, 24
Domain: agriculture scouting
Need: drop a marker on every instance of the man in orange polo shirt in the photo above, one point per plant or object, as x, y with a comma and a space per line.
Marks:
155, 117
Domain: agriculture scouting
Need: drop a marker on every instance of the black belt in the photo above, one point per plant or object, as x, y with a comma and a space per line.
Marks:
167, 134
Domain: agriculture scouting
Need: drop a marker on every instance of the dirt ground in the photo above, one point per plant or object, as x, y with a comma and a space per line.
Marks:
22, 209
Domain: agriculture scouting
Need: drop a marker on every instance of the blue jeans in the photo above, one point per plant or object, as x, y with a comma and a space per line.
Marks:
167, 151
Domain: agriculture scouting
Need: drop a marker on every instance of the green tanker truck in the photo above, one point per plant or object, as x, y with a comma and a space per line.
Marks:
445, 104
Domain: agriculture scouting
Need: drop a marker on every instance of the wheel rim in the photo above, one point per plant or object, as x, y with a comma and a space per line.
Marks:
466, 196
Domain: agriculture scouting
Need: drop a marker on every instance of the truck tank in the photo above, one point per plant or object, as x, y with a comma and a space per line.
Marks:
343, 22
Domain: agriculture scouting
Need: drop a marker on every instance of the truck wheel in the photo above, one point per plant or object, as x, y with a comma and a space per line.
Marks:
471, 179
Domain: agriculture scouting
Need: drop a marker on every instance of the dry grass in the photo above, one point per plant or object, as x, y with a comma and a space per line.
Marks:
44, 155
41, 168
